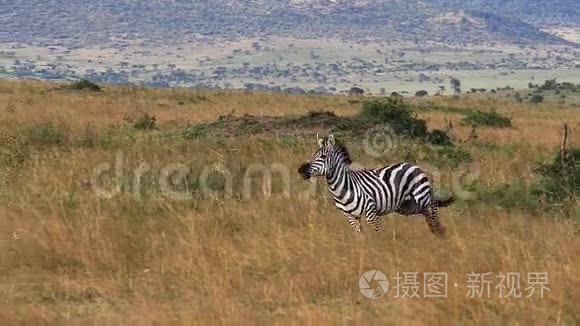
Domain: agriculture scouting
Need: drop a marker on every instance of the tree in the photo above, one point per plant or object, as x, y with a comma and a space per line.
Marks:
537, 98
456, 85
549, 84
356, 91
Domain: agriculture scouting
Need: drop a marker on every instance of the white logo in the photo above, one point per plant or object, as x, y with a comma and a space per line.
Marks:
367, 278
379, 142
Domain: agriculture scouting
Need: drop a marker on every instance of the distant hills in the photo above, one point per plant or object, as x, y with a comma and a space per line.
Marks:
82, 23
537, 12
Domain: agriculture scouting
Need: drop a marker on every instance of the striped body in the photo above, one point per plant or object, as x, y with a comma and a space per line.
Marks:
372, 193
385, 188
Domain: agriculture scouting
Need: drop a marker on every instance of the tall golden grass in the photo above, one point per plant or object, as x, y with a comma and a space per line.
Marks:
69, 256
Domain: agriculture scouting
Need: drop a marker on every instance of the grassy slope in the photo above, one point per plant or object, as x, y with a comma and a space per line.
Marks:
70, 256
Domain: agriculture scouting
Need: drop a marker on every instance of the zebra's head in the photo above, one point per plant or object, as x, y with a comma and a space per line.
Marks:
325, 159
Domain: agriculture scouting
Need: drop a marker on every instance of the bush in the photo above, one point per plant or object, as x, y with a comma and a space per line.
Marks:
549, 84
397, 114
487, 118
84, 84
439, 137
556, 189
46, 134
514, 195
17, 148
392, 113
451, 156
421, 93
144, 122
560, 180
356, 91
537, 98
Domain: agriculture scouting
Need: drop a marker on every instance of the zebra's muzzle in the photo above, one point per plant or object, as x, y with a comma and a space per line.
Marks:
303, 170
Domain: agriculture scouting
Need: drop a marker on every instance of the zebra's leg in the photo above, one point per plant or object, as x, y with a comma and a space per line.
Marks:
432, 219
373, 218
428, 206
354, 222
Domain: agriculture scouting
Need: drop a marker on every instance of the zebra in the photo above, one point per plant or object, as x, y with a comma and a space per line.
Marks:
403, 188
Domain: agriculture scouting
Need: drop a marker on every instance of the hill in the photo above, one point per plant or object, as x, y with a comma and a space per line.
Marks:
537, 12
82, 23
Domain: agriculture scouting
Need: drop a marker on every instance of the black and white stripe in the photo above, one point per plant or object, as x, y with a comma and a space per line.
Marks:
372, 193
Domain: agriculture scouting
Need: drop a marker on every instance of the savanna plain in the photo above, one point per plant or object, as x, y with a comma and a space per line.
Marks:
134, 206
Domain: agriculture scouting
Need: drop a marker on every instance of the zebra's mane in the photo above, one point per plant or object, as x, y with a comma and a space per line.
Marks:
344, 151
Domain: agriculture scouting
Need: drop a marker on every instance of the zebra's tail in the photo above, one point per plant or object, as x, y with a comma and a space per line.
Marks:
444, 202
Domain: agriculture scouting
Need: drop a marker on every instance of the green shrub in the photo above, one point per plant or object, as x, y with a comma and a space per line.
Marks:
487, 118
144, 122
17, 147
450, 156
549, 84
387, 113
421, 93
537, 98
439, 137
403, 121
85, 84
196, 131
555, 191
46, 134
560, 179
397, 114
514, 195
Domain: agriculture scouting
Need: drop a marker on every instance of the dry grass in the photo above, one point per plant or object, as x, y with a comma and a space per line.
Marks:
70, 257
31, 102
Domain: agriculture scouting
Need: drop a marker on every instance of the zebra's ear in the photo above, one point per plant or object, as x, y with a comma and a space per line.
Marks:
331, 140
319, 140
